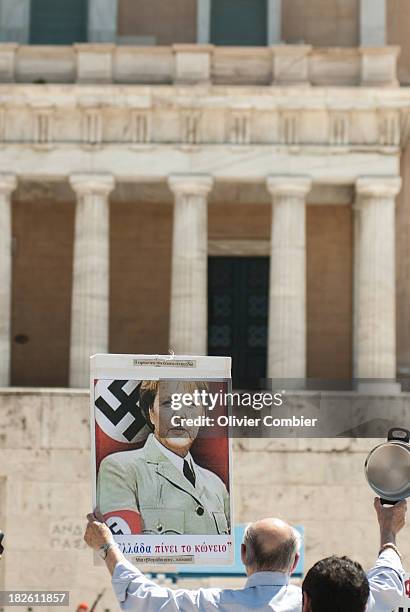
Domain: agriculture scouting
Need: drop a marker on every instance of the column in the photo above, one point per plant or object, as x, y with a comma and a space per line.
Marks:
8, 183
189, 297
102, 21
287, 292
374, 284
15, 21
90, 294
372, 23
203, 21
274, 33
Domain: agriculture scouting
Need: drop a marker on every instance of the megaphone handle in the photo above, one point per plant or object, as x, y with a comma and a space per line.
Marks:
387, 502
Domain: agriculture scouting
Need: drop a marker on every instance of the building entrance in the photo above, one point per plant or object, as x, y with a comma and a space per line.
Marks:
238, 290
58, 22
239, 22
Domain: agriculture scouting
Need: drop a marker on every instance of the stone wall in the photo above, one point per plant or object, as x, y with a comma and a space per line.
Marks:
230, 221
45, 493
140, 277
329, 278
323, 23
45, 459
397, 25
157, 22
43, 232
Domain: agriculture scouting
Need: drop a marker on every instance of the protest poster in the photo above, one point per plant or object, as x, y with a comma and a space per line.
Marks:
161, 473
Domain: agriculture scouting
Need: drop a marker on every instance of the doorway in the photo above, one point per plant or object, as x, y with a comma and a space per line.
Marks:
239, 22
238, 289
58, 22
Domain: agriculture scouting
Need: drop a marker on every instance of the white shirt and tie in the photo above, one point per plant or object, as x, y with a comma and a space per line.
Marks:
183, 464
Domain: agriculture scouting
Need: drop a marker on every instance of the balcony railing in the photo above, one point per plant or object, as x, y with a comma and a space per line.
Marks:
280, 65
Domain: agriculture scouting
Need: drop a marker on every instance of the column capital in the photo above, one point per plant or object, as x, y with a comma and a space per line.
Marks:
378, 186
289, 185
8, 183
86, 184
190, 184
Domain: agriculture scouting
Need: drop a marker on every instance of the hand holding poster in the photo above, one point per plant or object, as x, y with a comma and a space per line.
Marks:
161, 478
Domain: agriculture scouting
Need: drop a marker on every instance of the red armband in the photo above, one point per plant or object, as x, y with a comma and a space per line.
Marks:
124, 522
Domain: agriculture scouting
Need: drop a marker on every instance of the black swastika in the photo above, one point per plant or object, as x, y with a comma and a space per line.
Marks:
119, 532
128, 404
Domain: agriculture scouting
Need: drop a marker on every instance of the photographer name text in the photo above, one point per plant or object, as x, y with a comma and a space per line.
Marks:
242, 421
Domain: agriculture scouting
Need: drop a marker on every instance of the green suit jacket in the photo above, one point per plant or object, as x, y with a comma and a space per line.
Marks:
146, 481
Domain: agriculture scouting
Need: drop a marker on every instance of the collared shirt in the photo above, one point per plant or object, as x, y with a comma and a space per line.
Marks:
265, 591
174, 458
268, 591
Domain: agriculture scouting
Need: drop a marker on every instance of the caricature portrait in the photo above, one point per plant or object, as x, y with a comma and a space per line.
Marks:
164, 486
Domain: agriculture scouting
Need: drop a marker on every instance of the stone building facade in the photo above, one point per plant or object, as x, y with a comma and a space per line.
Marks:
286, 162
161, 188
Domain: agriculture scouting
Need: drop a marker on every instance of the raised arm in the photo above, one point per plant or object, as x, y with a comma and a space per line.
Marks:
386, 578
133, 590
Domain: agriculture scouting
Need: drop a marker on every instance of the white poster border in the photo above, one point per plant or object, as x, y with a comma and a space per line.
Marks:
181, 549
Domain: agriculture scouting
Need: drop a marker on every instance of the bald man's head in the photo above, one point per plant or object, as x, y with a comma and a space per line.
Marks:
270, 545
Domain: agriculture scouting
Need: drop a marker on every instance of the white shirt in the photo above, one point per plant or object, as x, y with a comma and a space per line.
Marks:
386, 581
174, 458
264, 591
268, 591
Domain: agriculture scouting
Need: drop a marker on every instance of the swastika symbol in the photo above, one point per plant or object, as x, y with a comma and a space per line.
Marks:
118, 532
118, 526
129, 404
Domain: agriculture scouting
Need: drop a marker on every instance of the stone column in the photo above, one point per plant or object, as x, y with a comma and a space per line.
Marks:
8, 183
372, 23
287, 292
90, 295
274, 32
189, 297
15, 21
374, 284
203, 20
102, 21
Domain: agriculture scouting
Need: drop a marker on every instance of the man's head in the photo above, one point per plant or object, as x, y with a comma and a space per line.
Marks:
157, 406
270, 545
337, 584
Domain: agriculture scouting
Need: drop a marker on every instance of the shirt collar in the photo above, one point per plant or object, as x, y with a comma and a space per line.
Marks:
267, 579
173, 457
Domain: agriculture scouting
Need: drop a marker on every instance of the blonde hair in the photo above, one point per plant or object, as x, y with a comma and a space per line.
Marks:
149, 389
